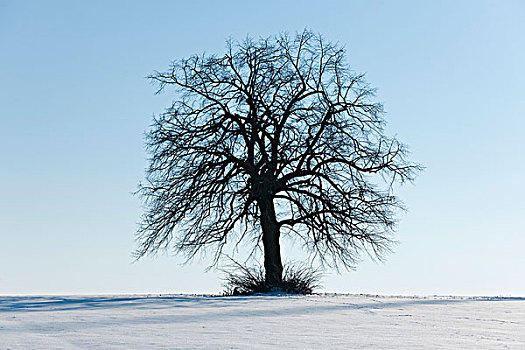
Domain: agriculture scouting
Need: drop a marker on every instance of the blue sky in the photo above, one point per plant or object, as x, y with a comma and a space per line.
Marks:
74, 105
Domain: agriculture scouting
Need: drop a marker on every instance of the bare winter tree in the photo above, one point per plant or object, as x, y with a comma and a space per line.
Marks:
277, 136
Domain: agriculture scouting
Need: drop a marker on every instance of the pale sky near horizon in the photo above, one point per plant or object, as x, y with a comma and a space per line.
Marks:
74, 105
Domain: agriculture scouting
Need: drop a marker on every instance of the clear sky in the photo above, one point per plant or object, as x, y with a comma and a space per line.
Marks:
74, 105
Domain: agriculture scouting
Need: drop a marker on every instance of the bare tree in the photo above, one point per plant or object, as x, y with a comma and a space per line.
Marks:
277, 136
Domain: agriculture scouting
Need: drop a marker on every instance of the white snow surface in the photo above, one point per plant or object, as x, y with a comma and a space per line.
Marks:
327, 321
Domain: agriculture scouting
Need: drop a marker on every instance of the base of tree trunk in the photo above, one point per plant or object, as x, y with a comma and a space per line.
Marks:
250, 281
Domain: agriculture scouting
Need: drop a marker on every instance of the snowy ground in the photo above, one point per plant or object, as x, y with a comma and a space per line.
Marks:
261, 322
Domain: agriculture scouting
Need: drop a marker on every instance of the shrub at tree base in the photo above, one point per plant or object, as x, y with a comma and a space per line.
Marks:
249, 281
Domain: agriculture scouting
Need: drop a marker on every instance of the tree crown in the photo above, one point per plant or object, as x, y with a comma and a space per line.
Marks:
283, 118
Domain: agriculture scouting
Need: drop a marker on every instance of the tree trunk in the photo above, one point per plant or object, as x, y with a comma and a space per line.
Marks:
273, 266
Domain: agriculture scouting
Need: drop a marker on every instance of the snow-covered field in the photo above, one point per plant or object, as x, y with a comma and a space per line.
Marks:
261, 322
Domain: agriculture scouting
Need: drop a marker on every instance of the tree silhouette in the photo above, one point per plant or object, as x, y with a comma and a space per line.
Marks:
278, 136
